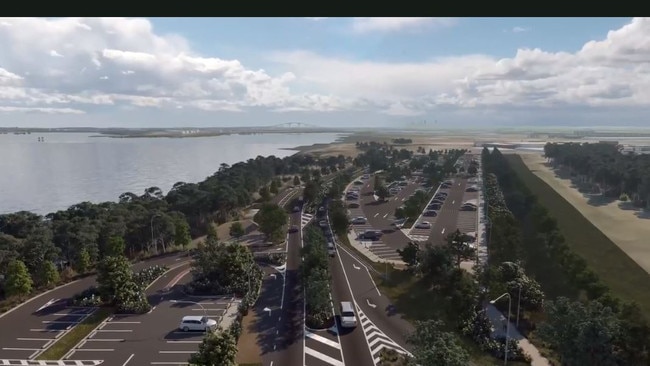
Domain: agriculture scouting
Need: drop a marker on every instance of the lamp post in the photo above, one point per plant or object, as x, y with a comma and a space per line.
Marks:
505, 357
205, 311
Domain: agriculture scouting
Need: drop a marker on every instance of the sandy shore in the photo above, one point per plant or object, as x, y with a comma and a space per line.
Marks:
626, 227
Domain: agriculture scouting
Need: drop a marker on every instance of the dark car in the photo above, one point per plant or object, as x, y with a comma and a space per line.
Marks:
430, 213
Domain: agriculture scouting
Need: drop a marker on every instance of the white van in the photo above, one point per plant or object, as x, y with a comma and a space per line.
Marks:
197, 323
348, 316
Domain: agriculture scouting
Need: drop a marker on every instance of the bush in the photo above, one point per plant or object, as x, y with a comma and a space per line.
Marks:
624, 197
479, 328
146, 276
87, 298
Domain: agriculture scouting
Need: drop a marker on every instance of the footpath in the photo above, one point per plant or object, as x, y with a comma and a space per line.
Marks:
496, 317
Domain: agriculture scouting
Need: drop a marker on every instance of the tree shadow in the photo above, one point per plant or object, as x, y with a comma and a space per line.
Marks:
598, 200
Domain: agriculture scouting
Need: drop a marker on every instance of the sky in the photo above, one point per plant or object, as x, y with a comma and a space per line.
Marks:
327, 72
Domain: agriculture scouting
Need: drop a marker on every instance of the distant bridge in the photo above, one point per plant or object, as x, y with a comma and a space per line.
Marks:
294, 125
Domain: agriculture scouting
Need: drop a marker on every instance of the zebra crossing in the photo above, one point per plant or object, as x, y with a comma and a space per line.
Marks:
377, 340
305, 219
381, 250
323, 348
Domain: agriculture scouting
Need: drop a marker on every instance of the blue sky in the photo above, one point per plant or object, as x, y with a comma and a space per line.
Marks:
330, 71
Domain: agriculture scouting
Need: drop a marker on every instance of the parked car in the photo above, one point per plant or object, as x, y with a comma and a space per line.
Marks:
296, 209
331, 249
371, 235
423, 225
359, 220
471, 189
322, 223
434, 206
294, 229
430, 213
438, 201
197, 323
354, 205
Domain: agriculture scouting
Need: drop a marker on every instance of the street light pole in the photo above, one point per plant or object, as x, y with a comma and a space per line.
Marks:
151, 224
505, 357
205, 311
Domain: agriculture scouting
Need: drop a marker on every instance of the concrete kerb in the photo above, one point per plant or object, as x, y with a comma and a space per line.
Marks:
423, 211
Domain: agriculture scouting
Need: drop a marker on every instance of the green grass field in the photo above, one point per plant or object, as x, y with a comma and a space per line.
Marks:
615, 268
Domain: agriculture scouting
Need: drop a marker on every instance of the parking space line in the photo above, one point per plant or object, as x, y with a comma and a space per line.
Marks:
114, 330
34, 339
194, 342
128, 359
20, 349
94, 350
186, 352
119, 322
198, 309
58, 322
104, 340
70, 314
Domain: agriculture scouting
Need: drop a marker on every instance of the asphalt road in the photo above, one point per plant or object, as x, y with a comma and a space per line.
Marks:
447, 219
379, 321
36, 322
286, 346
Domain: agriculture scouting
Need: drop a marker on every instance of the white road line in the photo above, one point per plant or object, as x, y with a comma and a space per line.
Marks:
184, 352
94, 350
57, 322
385, 215
47, 330
443, 230
34, 339
70, 314
209, 309
20, 349
376, 214
105, 340
184, 341
323, 357
322, 339
114, 330
47, 304
130, 357
119, 322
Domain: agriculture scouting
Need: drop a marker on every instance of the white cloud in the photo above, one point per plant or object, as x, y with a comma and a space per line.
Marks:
118, 63
520, 29
316, 19
366, 25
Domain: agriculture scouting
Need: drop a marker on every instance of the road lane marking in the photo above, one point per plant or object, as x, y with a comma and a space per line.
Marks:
58, 322
129, 359
355, 266
47, 304
403, 199
322, 339
452, 202
443, 230
376, 214
371, 305
69, 314
323, 357
121, 322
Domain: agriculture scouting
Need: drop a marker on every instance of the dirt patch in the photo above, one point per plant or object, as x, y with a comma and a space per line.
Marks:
248, 351
627, 227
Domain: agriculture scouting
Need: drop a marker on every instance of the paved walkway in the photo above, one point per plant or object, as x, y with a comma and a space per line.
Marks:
230, 315
498, 320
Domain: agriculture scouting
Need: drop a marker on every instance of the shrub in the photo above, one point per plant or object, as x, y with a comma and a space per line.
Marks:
146, 276
87, 298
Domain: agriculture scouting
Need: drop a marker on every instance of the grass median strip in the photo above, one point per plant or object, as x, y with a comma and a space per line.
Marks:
75, 335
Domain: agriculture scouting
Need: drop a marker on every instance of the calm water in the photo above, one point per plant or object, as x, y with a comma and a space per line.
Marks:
70, 167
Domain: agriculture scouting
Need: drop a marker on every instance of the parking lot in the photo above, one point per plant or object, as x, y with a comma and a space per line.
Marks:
446, 210
36, 334
153, 338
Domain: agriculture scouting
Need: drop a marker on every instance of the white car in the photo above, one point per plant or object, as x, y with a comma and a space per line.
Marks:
348, 318
423, 225
197, 323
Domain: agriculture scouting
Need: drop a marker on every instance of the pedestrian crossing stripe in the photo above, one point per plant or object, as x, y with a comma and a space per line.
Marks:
377, 340
51, 363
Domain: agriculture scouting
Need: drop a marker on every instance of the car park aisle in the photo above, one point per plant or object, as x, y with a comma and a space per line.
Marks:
448, 218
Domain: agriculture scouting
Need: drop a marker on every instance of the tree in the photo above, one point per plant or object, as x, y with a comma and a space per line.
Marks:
296, 181
434, 347
217, 349
271, 218
115, 246
265, 194
410, 254
237, 230
48, 275
311, 190
436, 262
82, 262
113, 276
459, 247
212, 236
182, 232
18, 282
273, 188
581, 334
339, 218
382, 192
